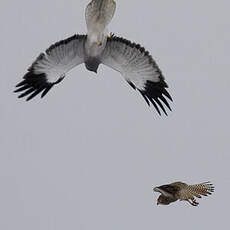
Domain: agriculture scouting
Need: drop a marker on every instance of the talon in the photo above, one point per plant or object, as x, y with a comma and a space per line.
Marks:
99, 43
195, 203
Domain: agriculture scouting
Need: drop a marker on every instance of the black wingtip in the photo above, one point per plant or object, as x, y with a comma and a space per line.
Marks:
33, 84
156, 107
46, 91
165, 102
21, 83
161, 106
145, 98
155, 92
36, 92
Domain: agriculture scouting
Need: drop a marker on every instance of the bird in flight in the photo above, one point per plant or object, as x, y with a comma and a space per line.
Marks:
97, 47
181, 191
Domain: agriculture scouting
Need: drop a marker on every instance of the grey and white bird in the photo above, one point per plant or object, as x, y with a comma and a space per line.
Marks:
97, 47
182, 191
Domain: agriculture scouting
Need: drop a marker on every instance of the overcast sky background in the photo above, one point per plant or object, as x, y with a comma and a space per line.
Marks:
87, 155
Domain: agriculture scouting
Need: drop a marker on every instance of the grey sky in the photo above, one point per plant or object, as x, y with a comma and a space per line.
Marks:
87, 155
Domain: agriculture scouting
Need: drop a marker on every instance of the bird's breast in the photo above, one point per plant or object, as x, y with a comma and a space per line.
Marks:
95, 45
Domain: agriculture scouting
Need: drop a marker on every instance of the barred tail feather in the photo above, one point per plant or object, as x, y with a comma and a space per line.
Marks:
203, 189
99, 11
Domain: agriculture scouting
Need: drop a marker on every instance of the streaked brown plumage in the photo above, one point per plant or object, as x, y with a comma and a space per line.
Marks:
181, 191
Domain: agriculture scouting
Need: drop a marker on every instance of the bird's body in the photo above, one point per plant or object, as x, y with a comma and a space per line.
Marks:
98, 15
182, 191
131, 60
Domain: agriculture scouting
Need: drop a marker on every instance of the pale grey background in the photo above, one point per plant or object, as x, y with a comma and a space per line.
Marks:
87, 155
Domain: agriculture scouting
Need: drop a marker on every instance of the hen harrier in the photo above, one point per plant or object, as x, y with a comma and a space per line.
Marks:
181, 191
131, 60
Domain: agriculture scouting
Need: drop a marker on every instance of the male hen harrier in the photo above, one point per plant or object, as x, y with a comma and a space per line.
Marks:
131, 60
181, 191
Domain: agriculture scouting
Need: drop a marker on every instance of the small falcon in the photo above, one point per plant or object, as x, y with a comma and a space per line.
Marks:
130, 59
181, 191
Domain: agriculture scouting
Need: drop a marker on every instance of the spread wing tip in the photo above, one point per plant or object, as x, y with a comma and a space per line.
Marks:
156, 94
154, 100
33, 84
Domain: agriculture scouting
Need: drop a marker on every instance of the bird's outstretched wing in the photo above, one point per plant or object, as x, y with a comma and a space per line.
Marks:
50, 67
197, 190
99, 12
139, 69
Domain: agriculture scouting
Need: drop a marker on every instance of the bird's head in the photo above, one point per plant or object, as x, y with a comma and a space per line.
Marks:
92, 64
163, 200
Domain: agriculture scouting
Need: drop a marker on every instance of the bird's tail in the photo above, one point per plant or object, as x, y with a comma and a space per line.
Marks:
99, 12
203, 189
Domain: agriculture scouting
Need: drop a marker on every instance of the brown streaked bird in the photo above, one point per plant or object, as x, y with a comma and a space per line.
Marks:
181, 191
134, 63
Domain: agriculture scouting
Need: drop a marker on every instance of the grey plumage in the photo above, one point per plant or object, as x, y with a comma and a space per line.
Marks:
130, 59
